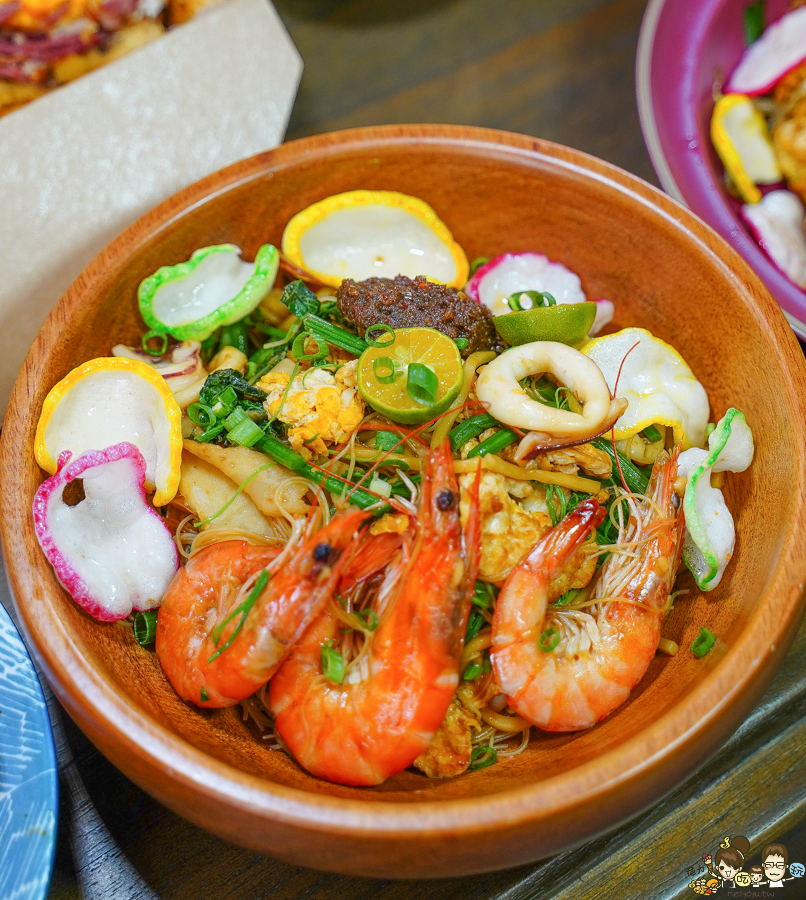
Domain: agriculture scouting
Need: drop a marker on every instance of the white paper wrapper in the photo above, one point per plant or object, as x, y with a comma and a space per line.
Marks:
80, 164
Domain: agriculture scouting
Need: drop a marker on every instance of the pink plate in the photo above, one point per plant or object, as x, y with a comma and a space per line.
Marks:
684, 47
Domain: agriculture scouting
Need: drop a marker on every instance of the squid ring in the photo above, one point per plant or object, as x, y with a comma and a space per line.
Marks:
499, 390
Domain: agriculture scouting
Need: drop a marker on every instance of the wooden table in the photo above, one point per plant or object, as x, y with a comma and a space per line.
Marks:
563, 71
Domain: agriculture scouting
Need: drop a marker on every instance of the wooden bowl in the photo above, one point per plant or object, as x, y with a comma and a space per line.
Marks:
666, 271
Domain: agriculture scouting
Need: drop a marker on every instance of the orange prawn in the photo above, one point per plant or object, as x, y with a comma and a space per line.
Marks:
591, 670
384, 714
231, 615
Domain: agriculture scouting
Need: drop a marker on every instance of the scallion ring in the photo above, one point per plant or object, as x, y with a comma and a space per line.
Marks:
298, 347
385, 329
150, 336
548, 640
384, 370
703, 643
369, 618
332, 664
145, 627
481, 757
201, 415
422, 384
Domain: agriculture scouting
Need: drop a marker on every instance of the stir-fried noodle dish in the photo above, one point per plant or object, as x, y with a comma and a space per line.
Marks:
402, 508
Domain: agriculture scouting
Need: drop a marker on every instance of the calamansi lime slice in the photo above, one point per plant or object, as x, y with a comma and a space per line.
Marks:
392, 380
566, 323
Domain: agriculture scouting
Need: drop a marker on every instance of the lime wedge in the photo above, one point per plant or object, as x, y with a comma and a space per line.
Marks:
383, 375
566, 323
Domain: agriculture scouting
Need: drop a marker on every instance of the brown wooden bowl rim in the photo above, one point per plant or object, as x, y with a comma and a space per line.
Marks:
78, 686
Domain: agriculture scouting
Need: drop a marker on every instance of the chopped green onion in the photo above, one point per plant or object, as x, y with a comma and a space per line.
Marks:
652, 434
243, 611
385, 370
332, 663
369, 618
470, 428
486, 665
477, 263
538, 298
385, 329
495, 443
474, 625
245, 433
237, 416
210, 435
636, 481
548, 640
481, 757
339, 337
422, 384
299, 344
483, 595
225, 401
462, 343
205, 697
145, 627
753, 22
703, 643
472, 671
386, 440
155, 351
201, 415
567, 598
380, 486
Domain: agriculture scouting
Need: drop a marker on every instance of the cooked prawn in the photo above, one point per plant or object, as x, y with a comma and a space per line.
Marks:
218, 641
580, 682
376, 723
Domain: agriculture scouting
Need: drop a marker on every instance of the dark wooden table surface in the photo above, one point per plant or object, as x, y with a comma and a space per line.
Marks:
558, 70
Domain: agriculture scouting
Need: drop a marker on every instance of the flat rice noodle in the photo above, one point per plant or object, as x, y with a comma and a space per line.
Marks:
238, 463
205, 490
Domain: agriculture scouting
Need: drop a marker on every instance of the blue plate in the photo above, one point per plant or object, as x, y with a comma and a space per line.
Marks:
28, 782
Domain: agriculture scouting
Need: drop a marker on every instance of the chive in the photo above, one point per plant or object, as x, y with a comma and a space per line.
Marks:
703, 643
377, 342
470, 428
386, 440
243, 610
652, 434
245, 433
145, 627
481, 757
474, 625
636, 481
369, 618
332, 663
205, 697
554, 497
422, 384
201, 415
298, 347
472, 671
753, 22
339, 337
494, 444
149, 336
234, 336
388, 364
477, 263
291, 460
211, 434
462, 343
548, 640
482, 595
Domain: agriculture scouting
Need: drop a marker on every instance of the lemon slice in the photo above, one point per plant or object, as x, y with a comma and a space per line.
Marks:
366, 234
386, 377
109, 400
657, 383
566, 323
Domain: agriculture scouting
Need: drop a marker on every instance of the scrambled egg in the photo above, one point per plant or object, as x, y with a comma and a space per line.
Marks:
508, 532
390, 524
319, 408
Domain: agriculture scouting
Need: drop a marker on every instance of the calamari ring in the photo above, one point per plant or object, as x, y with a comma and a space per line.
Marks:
499, 390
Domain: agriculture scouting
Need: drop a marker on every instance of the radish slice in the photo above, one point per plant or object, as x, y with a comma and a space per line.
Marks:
780, 49
110, 550
777, 223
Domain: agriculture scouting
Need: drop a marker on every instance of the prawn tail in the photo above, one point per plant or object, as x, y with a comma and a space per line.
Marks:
554, 551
